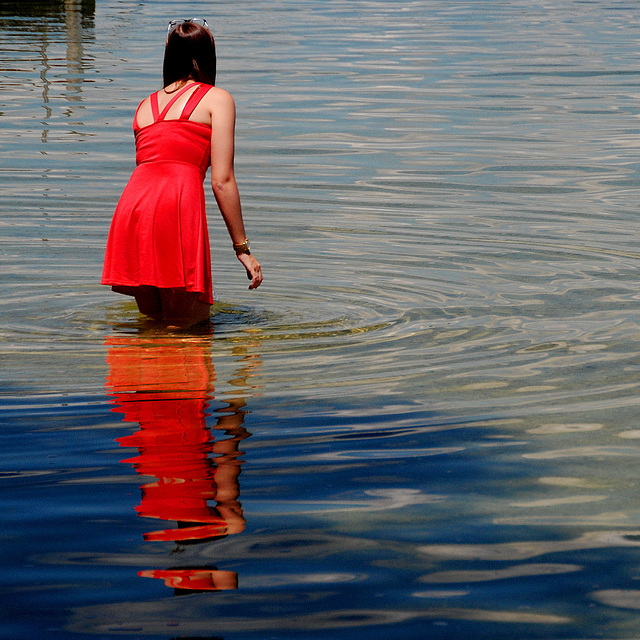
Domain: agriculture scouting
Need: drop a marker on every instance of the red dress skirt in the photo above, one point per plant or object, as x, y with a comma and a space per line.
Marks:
158, 234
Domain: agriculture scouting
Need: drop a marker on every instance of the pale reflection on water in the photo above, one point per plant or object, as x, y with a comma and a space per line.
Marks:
444, 415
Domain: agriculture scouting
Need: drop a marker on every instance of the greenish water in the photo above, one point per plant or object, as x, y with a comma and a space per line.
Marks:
424, 424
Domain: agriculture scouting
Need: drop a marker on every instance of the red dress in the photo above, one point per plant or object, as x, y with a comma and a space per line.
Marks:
159, 234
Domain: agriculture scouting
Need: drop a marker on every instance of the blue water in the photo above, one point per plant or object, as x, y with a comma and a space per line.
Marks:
424, 424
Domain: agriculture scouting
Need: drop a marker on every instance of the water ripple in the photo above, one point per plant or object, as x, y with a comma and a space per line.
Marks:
447, 335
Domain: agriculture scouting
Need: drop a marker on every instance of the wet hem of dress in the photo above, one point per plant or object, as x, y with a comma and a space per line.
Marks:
129, 290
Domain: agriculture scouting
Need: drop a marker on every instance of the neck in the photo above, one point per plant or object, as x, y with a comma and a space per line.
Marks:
176, 86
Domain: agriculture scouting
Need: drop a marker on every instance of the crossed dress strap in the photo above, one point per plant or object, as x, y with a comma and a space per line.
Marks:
192, 103
159, 116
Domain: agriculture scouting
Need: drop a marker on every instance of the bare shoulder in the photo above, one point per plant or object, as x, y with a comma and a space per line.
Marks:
144, 114
220, 98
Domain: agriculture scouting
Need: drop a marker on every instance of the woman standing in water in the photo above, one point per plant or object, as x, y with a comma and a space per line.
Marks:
158, 245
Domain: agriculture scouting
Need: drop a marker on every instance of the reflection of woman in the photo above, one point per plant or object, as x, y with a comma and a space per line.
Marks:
164, 385
158, 245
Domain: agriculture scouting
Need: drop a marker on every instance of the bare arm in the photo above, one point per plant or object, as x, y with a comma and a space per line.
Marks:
223, 181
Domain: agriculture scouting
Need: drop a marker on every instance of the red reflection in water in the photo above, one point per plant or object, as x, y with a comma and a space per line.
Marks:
165, 384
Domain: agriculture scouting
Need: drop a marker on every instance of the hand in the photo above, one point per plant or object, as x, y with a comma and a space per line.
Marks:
254, 271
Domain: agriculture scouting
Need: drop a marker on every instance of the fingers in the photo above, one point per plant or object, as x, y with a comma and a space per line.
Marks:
254, 271
256, 278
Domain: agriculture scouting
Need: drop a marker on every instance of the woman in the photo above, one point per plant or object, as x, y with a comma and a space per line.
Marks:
158, 245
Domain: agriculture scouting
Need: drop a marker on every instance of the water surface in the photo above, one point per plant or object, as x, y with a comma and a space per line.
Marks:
424, 423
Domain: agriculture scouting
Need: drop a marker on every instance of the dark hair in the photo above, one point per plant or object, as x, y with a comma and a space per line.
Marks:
190, 54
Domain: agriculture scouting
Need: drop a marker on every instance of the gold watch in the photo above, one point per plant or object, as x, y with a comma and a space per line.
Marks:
243, 247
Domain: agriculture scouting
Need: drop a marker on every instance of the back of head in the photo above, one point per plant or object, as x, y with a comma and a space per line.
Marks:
190, 54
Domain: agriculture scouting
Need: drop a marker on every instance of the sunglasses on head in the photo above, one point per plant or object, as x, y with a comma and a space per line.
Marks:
174, 23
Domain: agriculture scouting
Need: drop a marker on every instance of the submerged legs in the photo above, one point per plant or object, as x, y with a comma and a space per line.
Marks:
178, 308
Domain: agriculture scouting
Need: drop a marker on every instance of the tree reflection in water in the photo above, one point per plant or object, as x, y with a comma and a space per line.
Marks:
165, 383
